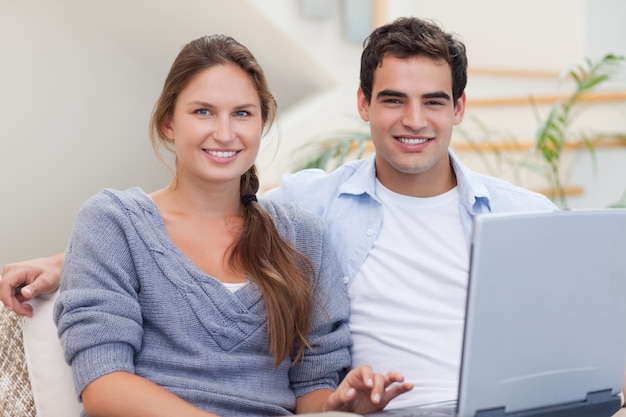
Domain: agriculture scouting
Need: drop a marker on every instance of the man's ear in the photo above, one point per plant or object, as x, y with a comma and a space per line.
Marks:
363, 105
459, 109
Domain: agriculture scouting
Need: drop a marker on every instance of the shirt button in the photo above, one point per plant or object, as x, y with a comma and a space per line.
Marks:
370, 232
346, 280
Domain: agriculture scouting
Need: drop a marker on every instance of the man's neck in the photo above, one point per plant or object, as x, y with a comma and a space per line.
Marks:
434, 182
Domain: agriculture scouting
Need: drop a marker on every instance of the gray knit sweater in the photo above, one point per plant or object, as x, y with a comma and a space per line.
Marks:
131, 301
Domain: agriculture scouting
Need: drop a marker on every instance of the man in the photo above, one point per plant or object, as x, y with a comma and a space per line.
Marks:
401, 220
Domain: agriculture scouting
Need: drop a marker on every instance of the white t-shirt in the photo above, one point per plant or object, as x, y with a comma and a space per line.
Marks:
408, 300
235, 286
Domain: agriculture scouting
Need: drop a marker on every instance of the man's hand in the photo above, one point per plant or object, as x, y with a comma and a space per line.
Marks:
23, 281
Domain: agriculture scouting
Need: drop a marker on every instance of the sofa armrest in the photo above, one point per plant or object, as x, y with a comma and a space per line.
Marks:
15, 390
50, 377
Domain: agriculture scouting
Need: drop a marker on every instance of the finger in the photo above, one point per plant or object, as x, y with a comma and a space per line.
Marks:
6, 297
30, 291
23, 309
378, 389
9, 285
39, 285
360, 377
367, 375
7, 294
393, 376
339, 399
395, 391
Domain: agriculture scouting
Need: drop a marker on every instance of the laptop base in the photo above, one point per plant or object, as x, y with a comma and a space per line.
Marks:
597, 404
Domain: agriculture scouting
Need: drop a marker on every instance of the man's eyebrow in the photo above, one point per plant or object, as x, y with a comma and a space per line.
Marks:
437, 94
400, 94
391, 93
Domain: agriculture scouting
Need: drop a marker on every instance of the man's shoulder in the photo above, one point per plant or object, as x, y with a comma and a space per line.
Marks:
313, 188
320, 177
506, 196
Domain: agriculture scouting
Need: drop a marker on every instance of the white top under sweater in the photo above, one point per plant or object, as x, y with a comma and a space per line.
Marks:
407, 303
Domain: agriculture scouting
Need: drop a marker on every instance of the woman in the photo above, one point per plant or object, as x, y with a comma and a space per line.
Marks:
198, 299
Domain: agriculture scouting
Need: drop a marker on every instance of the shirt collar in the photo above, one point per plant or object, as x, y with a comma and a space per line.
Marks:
363, 181
472, 191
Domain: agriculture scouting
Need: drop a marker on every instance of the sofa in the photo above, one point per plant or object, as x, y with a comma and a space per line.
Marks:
35, 381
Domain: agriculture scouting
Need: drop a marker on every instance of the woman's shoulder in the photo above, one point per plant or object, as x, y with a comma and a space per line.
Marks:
305, 230
289, 212
109, 197
113, 204
295, 223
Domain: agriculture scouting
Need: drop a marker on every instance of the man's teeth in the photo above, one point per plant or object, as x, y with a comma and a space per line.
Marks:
222, 154
412, 141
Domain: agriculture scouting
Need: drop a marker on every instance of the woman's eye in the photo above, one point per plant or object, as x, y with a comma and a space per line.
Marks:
203, 112
241, 113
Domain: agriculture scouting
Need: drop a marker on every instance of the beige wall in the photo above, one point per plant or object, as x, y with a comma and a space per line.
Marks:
74, 110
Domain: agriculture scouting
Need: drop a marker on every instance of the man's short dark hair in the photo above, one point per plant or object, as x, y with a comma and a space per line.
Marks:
408, 37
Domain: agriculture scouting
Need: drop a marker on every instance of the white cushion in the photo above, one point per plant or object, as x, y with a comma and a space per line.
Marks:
51, 378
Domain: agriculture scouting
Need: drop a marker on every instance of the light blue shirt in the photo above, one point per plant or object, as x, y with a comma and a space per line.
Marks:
346, 200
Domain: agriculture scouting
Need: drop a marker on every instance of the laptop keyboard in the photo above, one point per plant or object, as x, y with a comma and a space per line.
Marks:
422, 412
439, 409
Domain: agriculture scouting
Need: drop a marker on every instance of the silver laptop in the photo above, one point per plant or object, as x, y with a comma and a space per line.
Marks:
545, 331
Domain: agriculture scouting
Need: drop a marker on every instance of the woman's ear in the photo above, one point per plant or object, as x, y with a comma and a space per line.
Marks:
166, 128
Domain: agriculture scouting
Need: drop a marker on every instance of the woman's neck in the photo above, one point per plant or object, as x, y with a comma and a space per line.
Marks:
222, 200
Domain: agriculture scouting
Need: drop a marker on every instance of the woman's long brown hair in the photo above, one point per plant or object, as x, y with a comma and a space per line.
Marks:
283, 274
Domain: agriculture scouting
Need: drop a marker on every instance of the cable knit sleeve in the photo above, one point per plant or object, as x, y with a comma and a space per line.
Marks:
98, 316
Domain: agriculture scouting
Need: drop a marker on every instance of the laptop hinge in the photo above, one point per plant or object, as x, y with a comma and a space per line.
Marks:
597, 404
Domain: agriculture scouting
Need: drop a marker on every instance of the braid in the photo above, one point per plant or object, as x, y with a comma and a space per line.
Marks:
282, 273
249, 183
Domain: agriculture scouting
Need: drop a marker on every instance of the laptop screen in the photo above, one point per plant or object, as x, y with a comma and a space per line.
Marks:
546, 312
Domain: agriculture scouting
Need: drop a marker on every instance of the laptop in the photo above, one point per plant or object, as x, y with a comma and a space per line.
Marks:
545, 330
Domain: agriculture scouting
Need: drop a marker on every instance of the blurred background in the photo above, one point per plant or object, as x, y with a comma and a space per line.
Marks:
78, 79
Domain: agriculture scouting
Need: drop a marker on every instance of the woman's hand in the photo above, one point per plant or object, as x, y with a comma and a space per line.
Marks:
363, 391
